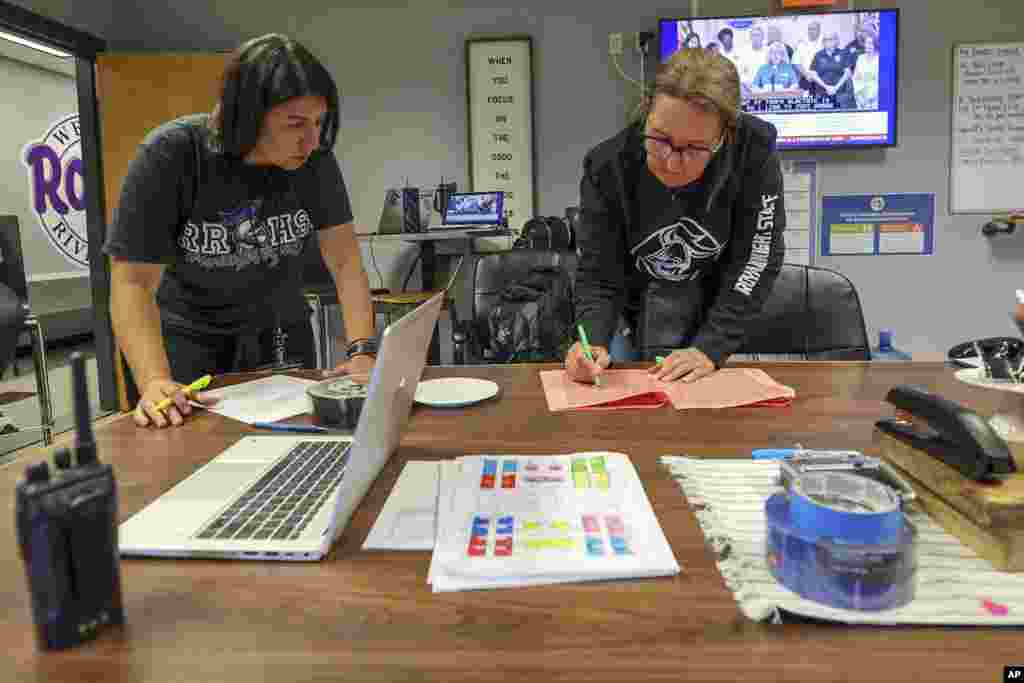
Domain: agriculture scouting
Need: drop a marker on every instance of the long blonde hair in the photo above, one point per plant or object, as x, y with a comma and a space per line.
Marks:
703, 78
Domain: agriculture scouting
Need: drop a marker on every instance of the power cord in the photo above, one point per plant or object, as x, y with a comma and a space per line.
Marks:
412, 269
615, 61
642, 41
373, 260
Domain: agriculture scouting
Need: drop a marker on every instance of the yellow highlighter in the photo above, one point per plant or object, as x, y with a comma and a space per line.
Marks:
199, 384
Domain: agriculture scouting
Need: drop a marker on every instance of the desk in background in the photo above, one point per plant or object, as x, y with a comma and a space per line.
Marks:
460, 242
361, 615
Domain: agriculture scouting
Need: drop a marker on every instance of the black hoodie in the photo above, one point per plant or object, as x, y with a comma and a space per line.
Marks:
725, 237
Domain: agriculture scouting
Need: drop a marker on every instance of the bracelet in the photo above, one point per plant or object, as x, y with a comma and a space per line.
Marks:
362, 347
360, 340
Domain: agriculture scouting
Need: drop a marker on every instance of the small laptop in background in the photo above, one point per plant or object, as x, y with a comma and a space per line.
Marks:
468, 210
284, 497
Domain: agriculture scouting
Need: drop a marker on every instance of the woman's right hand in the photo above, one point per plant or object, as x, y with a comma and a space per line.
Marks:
160, 389
582, 369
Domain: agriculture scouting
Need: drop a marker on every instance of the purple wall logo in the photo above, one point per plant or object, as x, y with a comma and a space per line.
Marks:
56, 185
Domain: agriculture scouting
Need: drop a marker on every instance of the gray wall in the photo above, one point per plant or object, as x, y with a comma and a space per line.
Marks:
404, 116
43, 97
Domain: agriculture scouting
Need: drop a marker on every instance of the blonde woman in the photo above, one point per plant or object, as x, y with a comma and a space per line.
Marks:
680, 224
777, 74
865, 75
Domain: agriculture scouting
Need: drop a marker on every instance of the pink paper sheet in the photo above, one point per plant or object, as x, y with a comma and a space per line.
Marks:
725, 388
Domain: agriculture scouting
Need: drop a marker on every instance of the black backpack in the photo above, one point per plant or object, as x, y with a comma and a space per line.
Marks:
533, 318
546, 232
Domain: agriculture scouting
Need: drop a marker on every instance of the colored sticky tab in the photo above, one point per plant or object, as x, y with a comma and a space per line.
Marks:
532, 467
490, 466
481, 519
559, 524
509, 466
533, 526
556, 467
504, 530
614, 524
579, 465
590, 524
619, 545
477, 551
581, 479
508, 481
487, 481
507, 519
772, 453
597, 464
601, 480
994, 608
595, 546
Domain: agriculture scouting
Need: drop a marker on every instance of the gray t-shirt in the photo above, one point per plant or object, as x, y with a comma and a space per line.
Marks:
232, 234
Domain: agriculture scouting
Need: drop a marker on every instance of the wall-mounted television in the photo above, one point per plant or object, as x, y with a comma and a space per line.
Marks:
824, 80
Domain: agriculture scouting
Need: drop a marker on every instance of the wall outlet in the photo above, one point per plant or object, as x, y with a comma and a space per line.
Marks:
615, 44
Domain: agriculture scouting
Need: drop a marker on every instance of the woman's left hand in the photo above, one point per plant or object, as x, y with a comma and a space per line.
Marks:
358, 367
687, 364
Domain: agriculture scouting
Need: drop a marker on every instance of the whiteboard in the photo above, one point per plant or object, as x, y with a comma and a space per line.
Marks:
986, 169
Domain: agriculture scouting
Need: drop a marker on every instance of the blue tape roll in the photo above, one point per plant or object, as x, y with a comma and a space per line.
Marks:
819, 552
844, 506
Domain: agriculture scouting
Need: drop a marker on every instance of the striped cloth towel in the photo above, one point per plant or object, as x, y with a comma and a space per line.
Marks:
953, 585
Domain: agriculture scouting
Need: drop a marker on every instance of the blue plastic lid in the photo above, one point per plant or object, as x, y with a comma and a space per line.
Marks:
885, 339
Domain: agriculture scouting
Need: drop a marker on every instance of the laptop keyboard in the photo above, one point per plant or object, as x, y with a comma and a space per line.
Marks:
281, 503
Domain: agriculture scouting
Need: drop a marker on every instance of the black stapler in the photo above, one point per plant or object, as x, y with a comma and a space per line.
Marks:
959, 437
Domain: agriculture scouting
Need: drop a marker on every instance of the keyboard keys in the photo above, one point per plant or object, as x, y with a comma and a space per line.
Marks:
282, 502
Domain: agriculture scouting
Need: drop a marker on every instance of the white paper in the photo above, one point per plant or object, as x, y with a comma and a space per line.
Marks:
551, 519
408, 519
267, 399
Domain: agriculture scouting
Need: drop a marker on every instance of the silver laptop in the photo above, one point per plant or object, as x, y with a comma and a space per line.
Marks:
469, 210
289, 497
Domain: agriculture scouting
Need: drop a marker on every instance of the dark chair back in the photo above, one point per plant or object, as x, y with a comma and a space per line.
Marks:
13, 291
810, 311
492, 272
12, 267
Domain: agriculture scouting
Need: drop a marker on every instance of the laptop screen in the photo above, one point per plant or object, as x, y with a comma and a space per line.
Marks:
474, 208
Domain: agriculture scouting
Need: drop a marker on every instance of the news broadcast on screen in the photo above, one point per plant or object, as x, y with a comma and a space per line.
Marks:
822, 79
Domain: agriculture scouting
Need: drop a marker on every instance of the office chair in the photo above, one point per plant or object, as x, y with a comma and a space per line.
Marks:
491, 272
16, 317
812, 312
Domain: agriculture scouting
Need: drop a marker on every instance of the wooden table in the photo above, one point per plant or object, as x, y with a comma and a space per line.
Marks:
371, 616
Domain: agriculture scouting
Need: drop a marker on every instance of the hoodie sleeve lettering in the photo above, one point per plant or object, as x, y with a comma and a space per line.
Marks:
752, 263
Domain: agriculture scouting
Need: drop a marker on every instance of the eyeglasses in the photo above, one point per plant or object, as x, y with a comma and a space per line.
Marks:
662, 149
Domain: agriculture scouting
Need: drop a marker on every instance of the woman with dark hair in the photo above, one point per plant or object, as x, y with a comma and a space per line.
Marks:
215, 215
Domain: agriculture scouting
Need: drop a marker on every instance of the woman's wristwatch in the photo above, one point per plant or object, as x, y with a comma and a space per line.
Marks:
362, 347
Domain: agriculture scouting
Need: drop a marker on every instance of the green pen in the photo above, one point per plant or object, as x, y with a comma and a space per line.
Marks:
659, 359
586, 350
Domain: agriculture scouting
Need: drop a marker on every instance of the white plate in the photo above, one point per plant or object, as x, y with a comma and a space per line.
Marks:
455, 392
976, 377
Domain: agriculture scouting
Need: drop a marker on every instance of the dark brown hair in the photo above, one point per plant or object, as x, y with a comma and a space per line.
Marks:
261, 74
